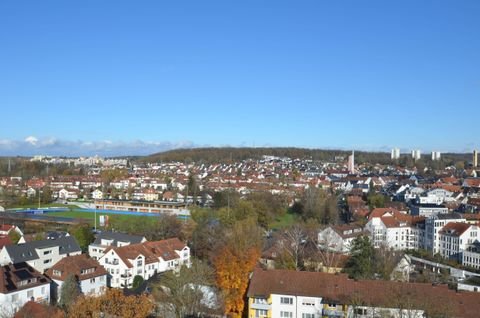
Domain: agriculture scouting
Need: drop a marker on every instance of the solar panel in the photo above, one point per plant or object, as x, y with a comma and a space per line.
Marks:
23, 274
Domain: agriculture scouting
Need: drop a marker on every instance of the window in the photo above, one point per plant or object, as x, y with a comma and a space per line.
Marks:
14, 297
47, 261
92, 280
286, 314
47, 252
139, 262
30, 294
286, 301
259, 313
262, 301
308, 315
43, 290
56, 272
308, 302
360, 311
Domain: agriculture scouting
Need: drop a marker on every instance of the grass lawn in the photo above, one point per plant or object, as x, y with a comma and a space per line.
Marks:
90, 215
285, 220
48, 205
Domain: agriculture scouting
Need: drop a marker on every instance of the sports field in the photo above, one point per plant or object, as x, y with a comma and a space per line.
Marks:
89, 216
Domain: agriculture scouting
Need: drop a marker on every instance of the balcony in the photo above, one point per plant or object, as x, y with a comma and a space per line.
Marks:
261, 306
333, 313
126, 275
114, 262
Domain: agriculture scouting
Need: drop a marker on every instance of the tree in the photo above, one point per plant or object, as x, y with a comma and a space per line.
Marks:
360, 263
14, 236
182, 294
112, 304
294, 238
69, 292
234, 262
385, 260
83, 235
137, 281
376, 200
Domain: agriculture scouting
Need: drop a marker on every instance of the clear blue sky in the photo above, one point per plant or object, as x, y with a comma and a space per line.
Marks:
108, 77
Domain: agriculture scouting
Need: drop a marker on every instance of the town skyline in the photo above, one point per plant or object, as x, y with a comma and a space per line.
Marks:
142, 79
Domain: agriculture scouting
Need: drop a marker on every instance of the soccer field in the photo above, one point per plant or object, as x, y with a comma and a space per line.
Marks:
89, 216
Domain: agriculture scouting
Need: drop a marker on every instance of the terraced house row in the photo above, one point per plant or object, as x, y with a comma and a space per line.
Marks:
293, 294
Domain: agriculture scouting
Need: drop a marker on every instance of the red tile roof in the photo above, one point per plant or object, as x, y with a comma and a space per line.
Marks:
337, 288
74, 265
455, 228
150, 250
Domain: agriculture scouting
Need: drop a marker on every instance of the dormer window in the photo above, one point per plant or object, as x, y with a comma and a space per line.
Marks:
56, 272
87, 271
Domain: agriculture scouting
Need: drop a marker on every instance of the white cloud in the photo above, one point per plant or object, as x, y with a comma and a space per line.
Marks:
31, 140
32, 145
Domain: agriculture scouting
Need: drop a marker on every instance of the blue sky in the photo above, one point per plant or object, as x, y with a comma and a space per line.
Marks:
136, 77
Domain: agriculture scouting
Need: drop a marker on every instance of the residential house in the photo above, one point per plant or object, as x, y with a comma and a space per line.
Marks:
143, 259
433, 225
90, 275
97, 194
5, 229
391, 228
65, 194
428, 210
20, 283
104, 240
296, 294
455, 237
41, 255
471, 256
338, 238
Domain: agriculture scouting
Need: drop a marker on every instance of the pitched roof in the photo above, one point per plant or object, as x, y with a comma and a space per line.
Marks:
393, 218
152, 251
118, 237
5, 240
338, 288
77, 265
14, 277
349, 230
27, 251
455, 228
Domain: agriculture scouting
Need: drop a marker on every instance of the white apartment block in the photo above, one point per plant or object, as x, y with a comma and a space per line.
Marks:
143, 259
428, 210
90, 275
339, 238
455, 237
432, 227
41, 255
471, 257
391, 228
19, 284
105, 240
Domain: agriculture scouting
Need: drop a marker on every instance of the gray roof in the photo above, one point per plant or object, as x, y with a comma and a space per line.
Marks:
26, 252
118, 237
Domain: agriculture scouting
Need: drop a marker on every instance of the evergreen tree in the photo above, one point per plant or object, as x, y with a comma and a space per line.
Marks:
69, 292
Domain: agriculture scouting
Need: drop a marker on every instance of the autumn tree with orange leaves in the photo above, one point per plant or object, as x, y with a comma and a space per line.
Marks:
234, 262
112, 304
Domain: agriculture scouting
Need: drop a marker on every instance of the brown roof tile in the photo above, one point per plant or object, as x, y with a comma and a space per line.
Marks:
74, 265
338, 288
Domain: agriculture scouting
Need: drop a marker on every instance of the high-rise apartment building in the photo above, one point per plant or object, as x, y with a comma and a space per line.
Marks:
436, 155
395, 153
416, 154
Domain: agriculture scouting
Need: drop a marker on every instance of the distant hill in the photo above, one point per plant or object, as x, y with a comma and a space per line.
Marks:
228, 154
